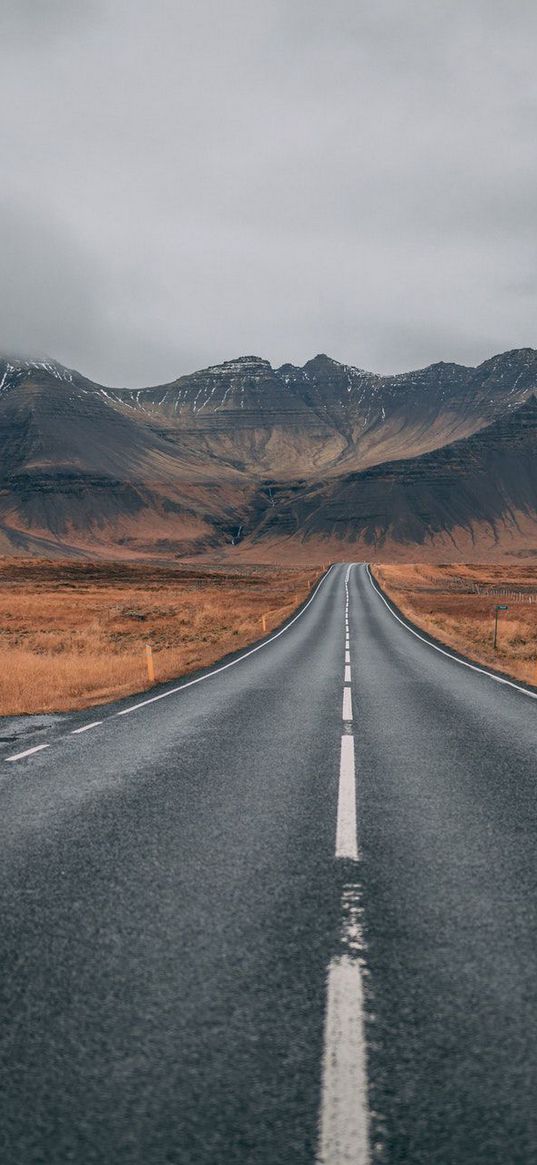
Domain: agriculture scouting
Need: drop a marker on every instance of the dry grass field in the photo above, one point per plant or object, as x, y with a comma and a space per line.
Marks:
73, 634
456, 603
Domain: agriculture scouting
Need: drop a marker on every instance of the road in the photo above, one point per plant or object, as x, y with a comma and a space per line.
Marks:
260, 921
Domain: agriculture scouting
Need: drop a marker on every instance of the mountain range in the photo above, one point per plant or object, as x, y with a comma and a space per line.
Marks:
247, 461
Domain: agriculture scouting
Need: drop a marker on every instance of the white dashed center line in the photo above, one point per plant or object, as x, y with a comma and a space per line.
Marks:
343, 1126
346, 838
344, 1116
344, 1112
347, 704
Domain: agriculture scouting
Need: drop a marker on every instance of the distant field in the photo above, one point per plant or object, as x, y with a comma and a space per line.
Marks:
73, 634
456, 604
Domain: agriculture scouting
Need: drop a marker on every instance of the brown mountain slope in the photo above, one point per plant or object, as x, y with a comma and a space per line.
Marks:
243, 457
296, 422
479, 491
76, 473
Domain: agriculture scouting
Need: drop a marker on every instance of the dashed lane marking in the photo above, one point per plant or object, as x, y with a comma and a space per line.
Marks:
344, 1117
347, 704
346, 831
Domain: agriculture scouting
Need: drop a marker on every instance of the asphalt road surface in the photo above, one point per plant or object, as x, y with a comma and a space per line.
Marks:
284, 914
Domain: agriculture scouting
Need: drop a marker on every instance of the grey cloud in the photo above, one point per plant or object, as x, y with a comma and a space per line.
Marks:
48, 283
191, 181
52, 302
34, 21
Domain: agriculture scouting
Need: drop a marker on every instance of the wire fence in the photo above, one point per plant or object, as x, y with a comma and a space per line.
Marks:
468, 587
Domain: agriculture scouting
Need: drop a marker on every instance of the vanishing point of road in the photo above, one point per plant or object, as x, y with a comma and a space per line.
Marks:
285, 913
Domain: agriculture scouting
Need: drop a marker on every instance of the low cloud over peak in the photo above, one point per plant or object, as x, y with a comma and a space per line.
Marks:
185, 181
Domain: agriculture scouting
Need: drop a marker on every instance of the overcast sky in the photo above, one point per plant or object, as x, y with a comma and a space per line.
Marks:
185, 181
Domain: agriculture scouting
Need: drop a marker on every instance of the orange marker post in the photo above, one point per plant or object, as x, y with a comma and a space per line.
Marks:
150, 664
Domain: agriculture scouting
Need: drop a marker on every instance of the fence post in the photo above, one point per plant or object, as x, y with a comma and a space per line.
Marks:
150, 664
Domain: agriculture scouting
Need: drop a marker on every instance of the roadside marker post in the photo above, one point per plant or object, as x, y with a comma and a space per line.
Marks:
499, 607
149, 662
294, 602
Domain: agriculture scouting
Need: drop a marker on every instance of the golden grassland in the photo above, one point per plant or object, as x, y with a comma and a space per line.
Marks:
74, 634
456, 603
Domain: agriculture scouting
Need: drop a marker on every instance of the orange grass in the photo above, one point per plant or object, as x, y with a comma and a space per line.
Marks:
456, 604
73, 635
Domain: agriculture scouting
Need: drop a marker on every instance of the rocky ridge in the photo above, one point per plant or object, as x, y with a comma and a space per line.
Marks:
241, 454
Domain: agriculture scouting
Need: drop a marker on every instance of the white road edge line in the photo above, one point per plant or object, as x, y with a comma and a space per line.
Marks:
347, 704
28, 752
346, 830
472, 666
86, 727
216, 671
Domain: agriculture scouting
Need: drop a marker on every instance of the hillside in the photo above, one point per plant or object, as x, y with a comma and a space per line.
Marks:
240, 458
480, 490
